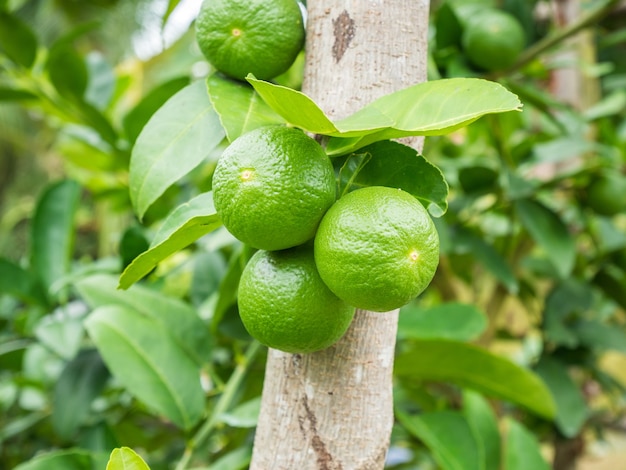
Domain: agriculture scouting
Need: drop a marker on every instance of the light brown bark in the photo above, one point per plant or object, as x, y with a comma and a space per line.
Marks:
334, 409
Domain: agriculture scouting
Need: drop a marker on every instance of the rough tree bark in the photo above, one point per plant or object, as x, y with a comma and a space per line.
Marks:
334, 409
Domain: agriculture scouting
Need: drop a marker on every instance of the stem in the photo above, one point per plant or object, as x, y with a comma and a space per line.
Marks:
560, 35
222, 404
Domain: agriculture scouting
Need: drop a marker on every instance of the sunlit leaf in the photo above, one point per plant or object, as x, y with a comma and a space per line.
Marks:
522, 450
125, 458
476, 368
143, 356
183, 226
176, 139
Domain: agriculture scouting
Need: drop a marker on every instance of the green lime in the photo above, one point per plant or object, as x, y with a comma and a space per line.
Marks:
606, 194
493, 40
284, 304
272, 186
250, 36
377, 248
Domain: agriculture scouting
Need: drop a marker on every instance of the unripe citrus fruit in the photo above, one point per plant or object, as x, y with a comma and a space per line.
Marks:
250, 36
606, 194
377, 248
284, 304
493, 40
272, 186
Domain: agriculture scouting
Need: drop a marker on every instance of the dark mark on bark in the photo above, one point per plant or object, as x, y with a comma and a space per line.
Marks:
324, 458
344, 33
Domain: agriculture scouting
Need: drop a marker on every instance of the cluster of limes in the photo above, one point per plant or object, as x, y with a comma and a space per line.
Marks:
319, 258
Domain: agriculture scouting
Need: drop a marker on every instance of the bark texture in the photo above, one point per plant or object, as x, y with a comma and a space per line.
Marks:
333, 409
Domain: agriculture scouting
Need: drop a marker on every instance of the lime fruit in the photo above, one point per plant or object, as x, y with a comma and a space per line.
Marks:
250, 36
606, 194
377, 248
272, 186
284, 304
493, 40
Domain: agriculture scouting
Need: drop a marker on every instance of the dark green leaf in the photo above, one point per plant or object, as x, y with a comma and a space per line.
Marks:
239, 107
484, 425
177, 317
67, 70
176, 139
15, 94
571, 407
17, 40
567, 300
447, 27
137, 117
146, 359
612, 281
15, 280
522, 449
549, 231
601, 336
461, 322
93, 118
476, 368
80, 383
399, 166
132, 244
126, 458
52, 231
183, 226
448, 436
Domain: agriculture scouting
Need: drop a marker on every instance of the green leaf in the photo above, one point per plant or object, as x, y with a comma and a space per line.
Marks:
125, 458
484, 424
183, 226
67, 69
522, 449
466, 242
612, 281
601, 336
59, 460
16, 94
236, 460
567, 300
177, 317
470, 366
549, 232
80, 383
245, 415
146, 359
17, 40
176, 139
571, 407
451, 320
448, 436
430, 108
240, 109
52, 231
61, 334
399, 166
15, 280
171, 6
136, 118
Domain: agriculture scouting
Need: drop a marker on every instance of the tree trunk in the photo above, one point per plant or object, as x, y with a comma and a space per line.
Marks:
334, 409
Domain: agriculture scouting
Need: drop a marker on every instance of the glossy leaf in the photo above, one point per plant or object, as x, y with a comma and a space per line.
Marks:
59, 460
436, 108
52, 232
177, 317
137, 117
549, 232
522, 449
448, 436
399, 166
451, 320
125, 458
470, 366
17, 40
80, 383
239, 107
145, 358
176, 139
16, 281
571, 407
183, 226
484, 425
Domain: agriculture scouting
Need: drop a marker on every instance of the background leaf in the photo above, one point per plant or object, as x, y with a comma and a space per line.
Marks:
183, 226
448, 436
484, 425
17, 281
472, 367
451, 320
239, 107
52, 232
60, 460
547, 229
522, 449
176, 139
67, 69
17, 40
144, 357
126, 458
